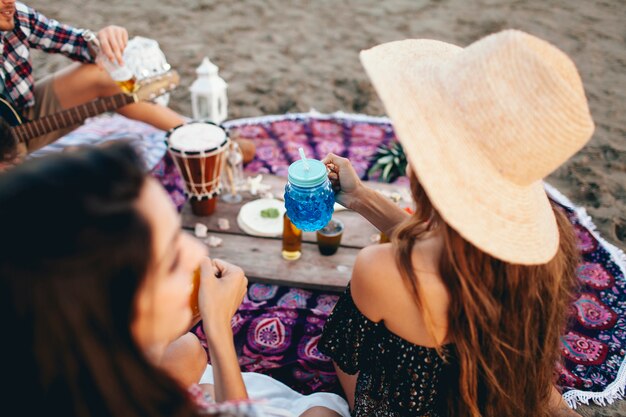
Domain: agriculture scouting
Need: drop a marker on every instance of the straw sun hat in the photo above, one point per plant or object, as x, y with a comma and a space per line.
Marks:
481, 126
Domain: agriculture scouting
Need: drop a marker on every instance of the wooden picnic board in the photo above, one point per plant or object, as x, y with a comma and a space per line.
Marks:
260, 257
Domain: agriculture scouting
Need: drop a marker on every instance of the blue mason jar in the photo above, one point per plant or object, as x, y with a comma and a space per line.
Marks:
309, 197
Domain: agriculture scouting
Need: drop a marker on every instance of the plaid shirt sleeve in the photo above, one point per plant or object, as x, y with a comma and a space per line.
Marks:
52, 36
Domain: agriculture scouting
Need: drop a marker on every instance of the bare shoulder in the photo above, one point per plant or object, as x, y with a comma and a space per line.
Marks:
380, 293
371, 280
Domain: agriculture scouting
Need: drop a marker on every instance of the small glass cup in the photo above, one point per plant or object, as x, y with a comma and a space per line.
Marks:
121, 74
329, 237
292, 240
195, 287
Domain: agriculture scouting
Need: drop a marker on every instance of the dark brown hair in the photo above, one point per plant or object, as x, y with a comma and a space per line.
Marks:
75, 251
504, 320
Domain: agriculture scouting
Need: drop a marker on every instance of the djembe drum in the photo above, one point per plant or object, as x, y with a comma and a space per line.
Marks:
199, 151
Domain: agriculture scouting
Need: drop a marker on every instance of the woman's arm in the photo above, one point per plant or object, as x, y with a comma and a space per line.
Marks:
350, 192
219, 299
185, 360
379, 210
348, 384
226, 373
558, 405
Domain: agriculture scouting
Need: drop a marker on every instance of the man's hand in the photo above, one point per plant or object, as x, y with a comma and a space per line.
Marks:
113, 40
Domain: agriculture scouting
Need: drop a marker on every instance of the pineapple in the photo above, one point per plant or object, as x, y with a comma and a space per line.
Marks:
390, 162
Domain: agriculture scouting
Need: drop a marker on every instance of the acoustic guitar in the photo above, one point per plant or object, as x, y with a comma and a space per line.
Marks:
23, 130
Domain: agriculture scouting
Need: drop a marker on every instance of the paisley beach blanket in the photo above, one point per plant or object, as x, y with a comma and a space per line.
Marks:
277, 328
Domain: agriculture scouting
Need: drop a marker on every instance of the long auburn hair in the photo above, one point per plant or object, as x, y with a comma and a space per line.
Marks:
504, 320
75, 251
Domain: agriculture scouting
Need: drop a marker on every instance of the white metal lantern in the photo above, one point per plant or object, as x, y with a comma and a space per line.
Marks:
208, 94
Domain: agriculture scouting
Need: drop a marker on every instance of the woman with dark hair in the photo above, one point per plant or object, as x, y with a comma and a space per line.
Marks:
94, 285
461, 314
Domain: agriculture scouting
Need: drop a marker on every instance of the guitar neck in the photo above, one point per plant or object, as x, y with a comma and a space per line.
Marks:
71, 117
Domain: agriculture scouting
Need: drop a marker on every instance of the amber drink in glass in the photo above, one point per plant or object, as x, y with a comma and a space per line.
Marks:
292, 240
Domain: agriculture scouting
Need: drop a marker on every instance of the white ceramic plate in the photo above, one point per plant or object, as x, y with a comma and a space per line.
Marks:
251, 222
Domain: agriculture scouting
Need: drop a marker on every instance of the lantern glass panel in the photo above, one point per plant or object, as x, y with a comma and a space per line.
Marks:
203, 107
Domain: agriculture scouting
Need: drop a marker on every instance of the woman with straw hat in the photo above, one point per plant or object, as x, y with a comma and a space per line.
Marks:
461, 313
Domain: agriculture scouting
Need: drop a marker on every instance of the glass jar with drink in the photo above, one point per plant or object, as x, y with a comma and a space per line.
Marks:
309, 197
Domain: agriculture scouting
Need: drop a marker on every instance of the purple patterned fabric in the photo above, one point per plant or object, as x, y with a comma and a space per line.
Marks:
166, 172
276, 333
277, 328
277, 140
594, 346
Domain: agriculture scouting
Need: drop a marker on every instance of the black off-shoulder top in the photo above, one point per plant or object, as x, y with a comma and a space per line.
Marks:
396, 377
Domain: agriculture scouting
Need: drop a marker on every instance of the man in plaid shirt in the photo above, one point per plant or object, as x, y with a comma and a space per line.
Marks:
23, 28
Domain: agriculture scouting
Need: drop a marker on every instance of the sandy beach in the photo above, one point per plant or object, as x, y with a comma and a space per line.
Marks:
288, 56
291, 56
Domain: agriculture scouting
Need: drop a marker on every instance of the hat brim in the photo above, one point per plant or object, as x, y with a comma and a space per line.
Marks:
510, 222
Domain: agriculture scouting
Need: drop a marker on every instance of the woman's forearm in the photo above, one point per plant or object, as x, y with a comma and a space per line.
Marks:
226, 372
379, 210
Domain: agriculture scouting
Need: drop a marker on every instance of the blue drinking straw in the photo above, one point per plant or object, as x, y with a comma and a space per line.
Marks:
303, 157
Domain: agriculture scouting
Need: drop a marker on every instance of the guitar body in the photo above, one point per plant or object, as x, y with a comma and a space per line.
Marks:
9, 114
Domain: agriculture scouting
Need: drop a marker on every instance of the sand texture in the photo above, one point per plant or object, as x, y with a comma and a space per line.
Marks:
291, 56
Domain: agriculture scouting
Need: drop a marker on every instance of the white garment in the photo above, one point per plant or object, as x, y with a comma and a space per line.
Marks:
277, 395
